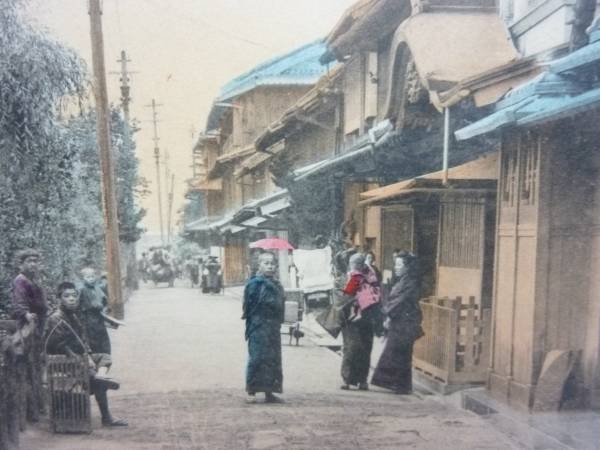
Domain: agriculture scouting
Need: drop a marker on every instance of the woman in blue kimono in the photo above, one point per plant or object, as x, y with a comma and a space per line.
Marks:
263, 313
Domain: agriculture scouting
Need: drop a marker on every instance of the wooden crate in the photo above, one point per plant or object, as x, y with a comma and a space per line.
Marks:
69, 385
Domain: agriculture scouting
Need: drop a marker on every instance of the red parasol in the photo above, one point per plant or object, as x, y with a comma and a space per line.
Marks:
272, 244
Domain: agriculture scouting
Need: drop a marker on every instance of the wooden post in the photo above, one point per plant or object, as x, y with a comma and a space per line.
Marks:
109, 198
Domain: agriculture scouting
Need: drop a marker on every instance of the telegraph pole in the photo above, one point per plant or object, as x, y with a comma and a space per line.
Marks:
154, 105
170, 210
109, 198
131, 269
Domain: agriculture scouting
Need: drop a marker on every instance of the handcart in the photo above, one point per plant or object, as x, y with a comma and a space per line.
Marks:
69, 390
293, 314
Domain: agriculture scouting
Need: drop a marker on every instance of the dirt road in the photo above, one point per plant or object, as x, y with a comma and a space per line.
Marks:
181, 361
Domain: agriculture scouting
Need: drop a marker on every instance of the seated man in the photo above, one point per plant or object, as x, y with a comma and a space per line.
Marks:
66, 335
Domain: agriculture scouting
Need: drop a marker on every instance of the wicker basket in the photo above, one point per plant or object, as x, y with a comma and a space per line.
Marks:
69, 386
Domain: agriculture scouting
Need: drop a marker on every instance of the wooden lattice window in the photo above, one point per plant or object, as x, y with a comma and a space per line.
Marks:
509, 174
529, 162
461, 234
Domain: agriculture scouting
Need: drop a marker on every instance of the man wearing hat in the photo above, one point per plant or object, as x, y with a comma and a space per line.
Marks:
29, 307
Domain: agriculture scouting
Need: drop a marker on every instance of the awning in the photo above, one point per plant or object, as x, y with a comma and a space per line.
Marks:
230, 156
502, 118
478, 176
564, 107
259, 211
585, 56
367, 145
215, 184
257, 159
224, 160
208, 224
547, 92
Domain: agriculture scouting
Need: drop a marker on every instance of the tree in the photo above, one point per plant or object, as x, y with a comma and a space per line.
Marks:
50, 194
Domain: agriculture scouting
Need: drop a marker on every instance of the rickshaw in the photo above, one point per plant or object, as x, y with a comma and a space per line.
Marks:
161, 268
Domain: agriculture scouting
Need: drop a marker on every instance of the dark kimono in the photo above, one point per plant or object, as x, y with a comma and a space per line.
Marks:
263, 312
357, 337
29, 297
66, 335
92, 301
394, 369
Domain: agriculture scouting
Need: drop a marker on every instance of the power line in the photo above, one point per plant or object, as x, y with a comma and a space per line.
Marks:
196, 20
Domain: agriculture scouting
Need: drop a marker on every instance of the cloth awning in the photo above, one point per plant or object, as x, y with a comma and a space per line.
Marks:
473, 175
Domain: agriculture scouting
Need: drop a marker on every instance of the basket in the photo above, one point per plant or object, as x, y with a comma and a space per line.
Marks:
69, 390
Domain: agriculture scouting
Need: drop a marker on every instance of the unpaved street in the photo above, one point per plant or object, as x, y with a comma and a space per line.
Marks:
181, 361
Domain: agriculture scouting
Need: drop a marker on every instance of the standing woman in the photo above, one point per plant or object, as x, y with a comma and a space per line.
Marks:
263, 312
357, 331
403, 319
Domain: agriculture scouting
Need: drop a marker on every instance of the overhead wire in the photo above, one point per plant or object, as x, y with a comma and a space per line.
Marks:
195, 20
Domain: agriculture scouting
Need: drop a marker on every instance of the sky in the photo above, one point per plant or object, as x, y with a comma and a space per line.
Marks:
184, 51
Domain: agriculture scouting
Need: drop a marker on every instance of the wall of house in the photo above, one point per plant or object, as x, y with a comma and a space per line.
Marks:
543, 257
313, 143
259, 108
538, 25
466, 249
591, 355
360, 87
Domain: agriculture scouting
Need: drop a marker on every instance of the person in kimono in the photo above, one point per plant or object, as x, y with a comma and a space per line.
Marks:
29, 309
66, 335
263, 311
357, 328
92, 303
403, 323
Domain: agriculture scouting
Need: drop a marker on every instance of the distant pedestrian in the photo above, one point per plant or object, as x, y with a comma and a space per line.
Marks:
263, 313
357, 331
30, 307
403, 323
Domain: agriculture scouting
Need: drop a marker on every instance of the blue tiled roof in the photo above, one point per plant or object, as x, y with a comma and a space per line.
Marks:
299, 67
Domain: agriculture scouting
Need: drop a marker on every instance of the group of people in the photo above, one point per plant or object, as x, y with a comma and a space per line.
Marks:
365, 310
362, 310
74, 326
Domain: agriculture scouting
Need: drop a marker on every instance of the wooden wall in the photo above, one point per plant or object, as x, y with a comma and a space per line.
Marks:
542, 257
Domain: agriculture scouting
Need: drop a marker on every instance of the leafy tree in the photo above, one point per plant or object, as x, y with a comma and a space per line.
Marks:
50, 195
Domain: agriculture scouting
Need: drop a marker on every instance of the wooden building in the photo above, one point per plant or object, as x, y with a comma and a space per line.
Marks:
546, 292
245, 107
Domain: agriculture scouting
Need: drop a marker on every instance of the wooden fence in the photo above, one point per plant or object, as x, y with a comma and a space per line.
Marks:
455, 348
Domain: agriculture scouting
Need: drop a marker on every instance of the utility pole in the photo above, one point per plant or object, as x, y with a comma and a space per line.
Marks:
167, 178
131, 269
170, 209
109, 198
154, 105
